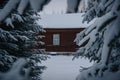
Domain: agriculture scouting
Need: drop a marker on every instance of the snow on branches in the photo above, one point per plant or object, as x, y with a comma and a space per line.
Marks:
101, 37
20, 6
14, 73
22, 41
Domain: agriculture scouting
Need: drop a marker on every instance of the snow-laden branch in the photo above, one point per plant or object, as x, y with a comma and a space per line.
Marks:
21, 6
14, 73
102, 36
112, 32
8, 8
94, 29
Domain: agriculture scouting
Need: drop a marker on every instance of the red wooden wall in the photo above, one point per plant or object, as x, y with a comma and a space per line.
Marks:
67, 37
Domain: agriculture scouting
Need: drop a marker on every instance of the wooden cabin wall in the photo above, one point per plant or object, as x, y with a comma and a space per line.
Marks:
67, 37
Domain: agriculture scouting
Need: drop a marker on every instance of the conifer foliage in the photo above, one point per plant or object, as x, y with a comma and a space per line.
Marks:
19, 34
103, 40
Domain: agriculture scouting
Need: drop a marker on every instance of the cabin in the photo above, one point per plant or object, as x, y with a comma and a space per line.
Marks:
60, 39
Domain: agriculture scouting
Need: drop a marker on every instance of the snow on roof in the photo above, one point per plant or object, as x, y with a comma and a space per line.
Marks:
63, 21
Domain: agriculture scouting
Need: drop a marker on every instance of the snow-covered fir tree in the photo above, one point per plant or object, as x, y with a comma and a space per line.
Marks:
21, 6
102, 40
18, 37
28, 32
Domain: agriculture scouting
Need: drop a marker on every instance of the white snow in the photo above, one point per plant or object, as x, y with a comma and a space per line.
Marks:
14, 73
8, 22
8, 8
55, 7
107, 76
83, 6
20, 6
18, 17
63, 68
94, 33
63, 21
23, 4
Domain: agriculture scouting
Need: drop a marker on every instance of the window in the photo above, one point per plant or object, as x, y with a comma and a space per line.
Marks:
56, 39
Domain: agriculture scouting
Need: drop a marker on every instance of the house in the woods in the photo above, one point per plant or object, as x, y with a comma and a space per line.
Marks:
60, 39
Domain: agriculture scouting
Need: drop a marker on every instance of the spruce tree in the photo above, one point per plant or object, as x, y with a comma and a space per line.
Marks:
102, 40
19, 35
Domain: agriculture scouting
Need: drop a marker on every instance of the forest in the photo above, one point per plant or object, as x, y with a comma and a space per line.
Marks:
19, 31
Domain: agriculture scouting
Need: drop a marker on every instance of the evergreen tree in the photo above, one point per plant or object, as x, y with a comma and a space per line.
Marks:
19, 34
102, 40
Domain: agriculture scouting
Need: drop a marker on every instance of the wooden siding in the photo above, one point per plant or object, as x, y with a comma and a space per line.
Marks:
67, 37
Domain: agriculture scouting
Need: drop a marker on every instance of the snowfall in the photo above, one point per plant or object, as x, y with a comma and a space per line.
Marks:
63, 67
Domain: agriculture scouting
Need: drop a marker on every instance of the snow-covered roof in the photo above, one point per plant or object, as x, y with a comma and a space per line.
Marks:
63, 21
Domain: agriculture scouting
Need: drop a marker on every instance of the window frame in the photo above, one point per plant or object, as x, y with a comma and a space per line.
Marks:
56, 39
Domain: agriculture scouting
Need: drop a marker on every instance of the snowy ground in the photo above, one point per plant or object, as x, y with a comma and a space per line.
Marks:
63, 68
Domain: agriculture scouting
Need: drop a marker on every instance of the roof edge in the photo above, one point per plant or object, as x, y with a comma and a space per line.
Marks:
65, 28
